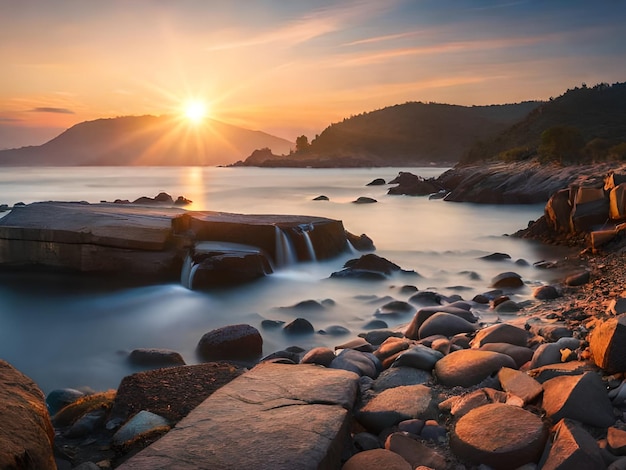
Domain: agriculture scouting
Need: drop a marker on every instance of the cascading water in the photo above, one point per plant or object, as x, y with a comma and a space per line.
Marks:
307, 240
187, 272
285, 251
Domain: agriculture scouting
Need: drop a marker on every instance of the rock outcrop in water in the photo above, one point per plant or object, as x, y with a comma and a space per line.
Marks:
159, 242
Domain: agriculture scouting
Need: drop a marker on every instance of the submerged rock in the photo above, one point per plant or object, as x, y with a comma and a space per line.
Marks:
231, 342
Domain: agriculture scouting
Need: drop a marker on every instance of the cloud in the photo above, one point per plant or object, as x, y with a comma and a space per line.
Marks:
46, 109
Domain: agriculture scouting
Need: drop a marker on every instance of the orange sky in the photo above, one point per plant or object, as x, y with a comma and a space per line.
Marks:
290, 68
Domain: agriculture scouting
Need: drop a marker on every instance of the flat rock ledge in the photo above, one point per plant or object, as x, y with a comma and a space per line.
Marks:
282, 416
149, 242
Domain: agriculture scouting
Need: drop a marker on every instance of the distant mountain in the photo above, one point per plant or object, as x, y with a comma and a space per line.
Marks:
413, 133
145, 141
581, 126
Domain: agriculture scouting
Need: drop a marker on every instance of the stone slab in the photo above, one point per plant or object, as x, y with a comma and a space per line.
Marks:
275, 416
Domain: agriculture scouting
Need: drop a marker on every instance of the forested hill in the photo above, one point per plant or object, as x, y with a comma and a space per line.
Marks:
583, 125
413, 133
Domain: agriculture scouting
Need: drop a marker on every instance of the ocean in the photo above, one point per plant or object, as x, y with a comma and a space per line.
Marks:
66, 331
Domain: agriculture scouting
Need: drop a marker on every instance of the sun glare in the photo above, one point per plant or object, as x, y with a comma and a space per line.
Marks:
195, 111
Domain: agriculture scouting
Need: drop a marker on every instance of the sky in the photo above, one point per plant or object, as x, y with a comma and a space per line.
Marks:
291, 67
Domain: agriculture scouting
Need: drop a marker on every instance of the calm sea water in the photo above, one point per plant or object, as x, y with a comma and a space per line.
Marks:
66, 332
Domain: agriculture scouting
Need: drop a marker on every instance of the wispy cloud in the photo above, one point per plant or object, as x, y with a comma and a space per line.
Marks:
388, 37
46, 109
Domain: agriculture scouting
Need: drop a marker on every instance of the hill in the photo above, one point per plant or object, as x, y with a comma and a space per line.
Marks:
581, 126
412, 133
145, 141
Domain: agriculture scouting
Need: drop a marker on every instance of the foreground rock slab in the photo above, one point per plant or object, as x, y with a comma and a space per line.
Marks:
293, 416
26, 433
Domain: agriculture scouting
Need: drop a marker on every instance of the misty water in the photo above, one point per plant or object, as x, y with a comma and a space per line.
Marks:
69, 331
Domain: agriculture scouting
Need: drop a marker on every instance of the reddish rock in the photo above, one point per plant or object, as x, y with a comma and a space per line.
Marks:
571, 447
469, 367
520, 354
231, 342
376, 459
498, 435
616, 440
607, 343
414, 451
519, 384
26, 433
501, 333
507, 280
580, 397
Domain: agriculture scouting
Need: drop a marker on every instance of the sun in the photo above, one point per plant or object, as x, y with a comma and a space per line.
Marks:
195, 111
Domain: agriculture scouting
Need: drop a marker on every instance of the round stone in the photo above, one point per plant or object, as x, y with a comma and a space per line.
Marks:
500, 436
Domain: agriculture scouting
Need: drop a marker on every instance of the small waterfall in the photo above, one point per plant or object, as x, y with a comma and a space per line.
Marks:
352, 249
285, 251
187, 272
309, 244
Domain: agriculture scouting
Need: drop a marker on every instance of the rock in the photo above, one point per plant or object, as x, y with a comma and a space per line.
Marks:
424, 298
461, 405
142, 423
551, 353
320, 355
171, 392
496, 257
607, 343
469, 367
558, 211
413, 185
361, 242
321, 197
499, 435
394, 309
507, 280
501, 333
364, 200
61, 397
419, 357
358, 344
231, 342
520, 384
376, 182
616, 440
299, 326
156, 358
372, 262
571, 447
390, 348
546, 293
544, 373
86, 424
359, 274
182, 201
411, 426
577, 279
26, 433
293, 416
391, 406
520, 354
379, 336
424, 313
414, 452
590, 214
334, 330
445, 324
375, 325
161, 198
376, 459
362, 364
580, 397
508, 306
399, 376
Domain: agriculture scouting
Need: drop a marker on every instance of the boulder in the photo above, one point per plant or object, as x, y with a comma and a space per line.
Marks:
26, 433
507, 280
377, 182
397, 404
414, 452
508, 306
274, 416
445, 324
372, 262
221, 266
616, 440
400, 376
61, 397
231, 342
553, 353
588, 215
142, 423
468, 367
418, 357
577, 279
520, 384
320, 355
380, 336
558, 211
580, 397
364, 200
461, 405
375, 459
571, 447
390, 348
550, 371
413, 185
156, 357
607, 343
496, 257
321, 197
394, 309
546, 293
501, 333
299, 326
520, 354
360, 242
413, 329
500, 436
362, 364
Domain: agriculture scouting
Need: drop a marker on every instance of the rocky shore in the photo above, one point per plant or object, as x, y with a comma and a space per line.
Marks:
495, 381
